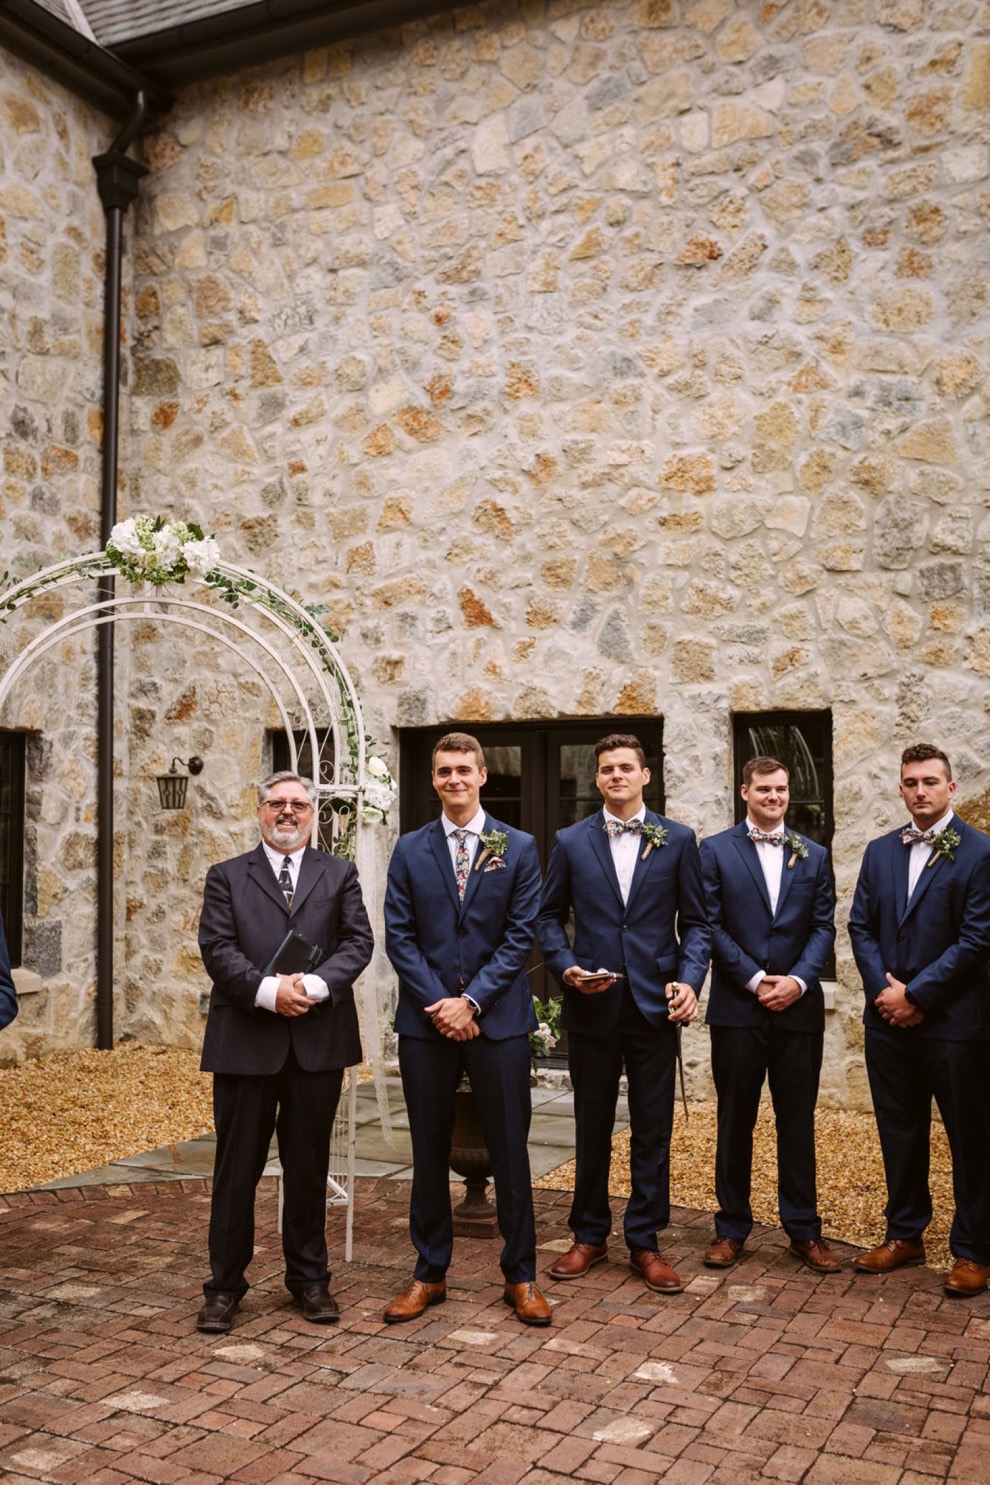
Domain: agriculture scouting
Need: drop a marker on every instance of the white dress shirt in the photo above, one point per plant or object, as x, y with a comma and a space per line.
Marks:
918, 859
625, 848
771, 859
315, 988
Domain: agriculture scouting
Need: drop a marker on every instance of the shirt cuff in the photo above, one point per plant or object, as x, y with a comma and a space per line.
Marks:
472, 1003
798, 981
264, 996
315, 988
754, 984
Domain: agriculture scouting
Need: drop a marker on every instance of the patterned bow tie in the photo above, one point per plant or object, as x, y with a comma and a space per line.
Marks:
912, 836
623, 827
766, 837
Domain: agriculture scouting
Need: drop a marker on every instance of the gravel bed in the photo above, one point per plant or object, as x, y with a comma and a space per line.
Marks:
851, 1189
65, 1114
70, 1113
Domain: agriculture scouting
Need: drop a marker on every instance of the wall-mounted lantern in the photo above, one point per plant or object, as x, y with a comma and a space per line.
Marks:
172, 785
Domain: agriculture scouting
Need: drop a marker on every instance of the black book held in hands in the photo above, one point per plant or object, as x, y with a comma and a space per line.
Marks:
295, 955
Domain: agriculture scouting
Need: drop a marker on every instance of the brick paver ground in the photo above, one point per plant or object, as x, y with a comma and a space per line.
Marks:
765, 1372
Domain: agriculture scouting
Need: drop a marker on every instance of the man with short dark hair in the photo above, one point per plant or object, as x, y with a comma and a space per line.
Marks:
920, 930
460, 915
771, 906
277, 1042
8, 995
631, 979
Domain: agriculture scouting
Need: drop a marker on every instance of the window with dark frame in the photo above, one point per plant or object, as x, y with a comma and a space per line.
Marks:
13, 747
803, 743
541, 777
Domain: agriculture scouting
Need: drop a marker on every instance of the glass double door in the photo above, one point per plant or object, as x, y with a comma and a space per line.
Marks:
541, 778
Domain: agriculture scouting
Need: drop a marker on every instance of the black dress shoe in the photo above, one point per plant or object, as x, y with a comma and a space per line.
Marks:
317, 1304
217, 1313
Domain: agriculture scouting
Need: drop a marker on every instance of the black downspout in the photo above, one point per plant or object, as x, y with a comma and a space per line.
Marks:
117, 180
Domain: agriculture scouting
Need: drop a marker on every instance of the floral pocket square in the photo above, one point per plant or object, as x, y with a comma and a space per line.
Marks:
492, 864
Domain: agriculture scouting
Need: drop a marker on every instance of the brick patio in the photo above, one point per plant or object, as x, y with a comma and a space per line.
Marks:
762, 1373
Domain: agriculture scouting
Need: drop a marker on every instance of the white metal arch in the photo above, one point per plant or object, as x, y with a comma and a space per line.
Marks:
301, 652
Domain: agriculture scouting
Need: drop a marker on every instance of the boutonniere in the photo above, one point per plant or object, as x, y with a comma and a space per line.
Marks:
944, 844
494, 844
655, 836
798, 849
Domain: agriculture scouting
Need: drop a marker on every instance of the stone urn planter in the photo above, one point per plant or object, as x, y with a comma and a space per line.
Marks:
469, 1157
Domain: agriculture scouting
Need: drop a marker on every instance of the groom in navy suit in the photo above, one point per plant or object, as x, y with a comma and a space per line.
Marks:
631, 979
772, 912
460, 916
920, 930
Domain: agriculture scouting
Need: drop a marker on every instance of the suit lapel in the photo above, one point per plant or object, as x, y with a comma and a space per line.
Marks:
900, 856
603, 851
786, 873
935, 863
441, 854
750, 858
474, 876
310, 869
260, 871
643, 866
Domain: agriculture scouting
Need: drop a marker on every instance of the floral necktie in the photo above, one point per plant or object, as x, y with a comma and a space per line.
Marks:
462, 862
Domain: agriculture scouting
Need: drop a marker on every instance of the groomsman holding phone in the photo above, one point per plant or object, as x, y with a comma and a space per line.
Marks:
630, 980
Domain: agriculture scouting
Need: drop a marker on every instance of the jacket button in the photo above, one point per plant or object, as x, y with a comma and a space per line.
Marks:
461, 932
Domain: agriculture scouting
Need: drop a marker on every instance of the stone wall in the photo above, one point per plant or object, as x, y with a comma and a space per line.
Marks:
582, 359
51, 307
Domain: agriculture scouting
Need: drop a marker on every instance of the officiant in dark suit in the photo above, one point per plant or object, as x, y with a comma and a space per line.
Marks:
277, 1044
771, 906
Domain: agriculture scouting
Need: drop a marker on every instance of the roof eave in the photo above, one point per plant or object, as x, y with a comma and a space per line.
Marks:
79, 64
263, 31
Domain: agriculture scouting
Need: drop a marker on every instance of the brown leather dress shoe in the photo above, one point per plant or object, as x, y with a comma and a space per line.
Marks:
967, 1279
317, 1304
217, 1313
888, 1255
816, 1254
414, 1300
722, 1253
657, 1274
527, 1301
578, 1259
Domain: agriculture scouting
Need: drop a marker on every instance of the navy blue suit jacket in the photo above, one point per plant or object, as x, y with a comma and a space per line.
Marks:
244, 919
440, 947
747, 937
660, 934
8, 995
937, 944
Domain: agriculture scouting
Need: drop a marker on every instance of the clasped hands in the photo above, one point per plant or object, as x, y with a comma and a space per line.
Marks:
291, 998
453, 1017
777, 992
894, 1006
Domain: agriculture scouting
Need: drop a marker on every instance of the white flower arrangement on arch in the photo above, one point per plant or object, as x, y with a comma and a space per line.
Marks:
149, 549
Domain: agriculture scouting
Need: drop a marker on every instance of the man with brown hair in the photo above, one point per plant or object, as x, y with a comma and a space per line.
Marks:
639, 959
460, 915
771, 906
920, 930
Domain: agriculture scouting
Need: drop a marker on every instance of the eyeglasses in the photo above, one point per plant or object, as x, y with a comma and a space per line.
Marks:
297, 806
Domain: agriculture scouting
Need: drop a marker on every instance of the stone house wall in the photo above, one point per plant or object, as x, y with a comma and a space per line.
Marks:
582, 359
51, 330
